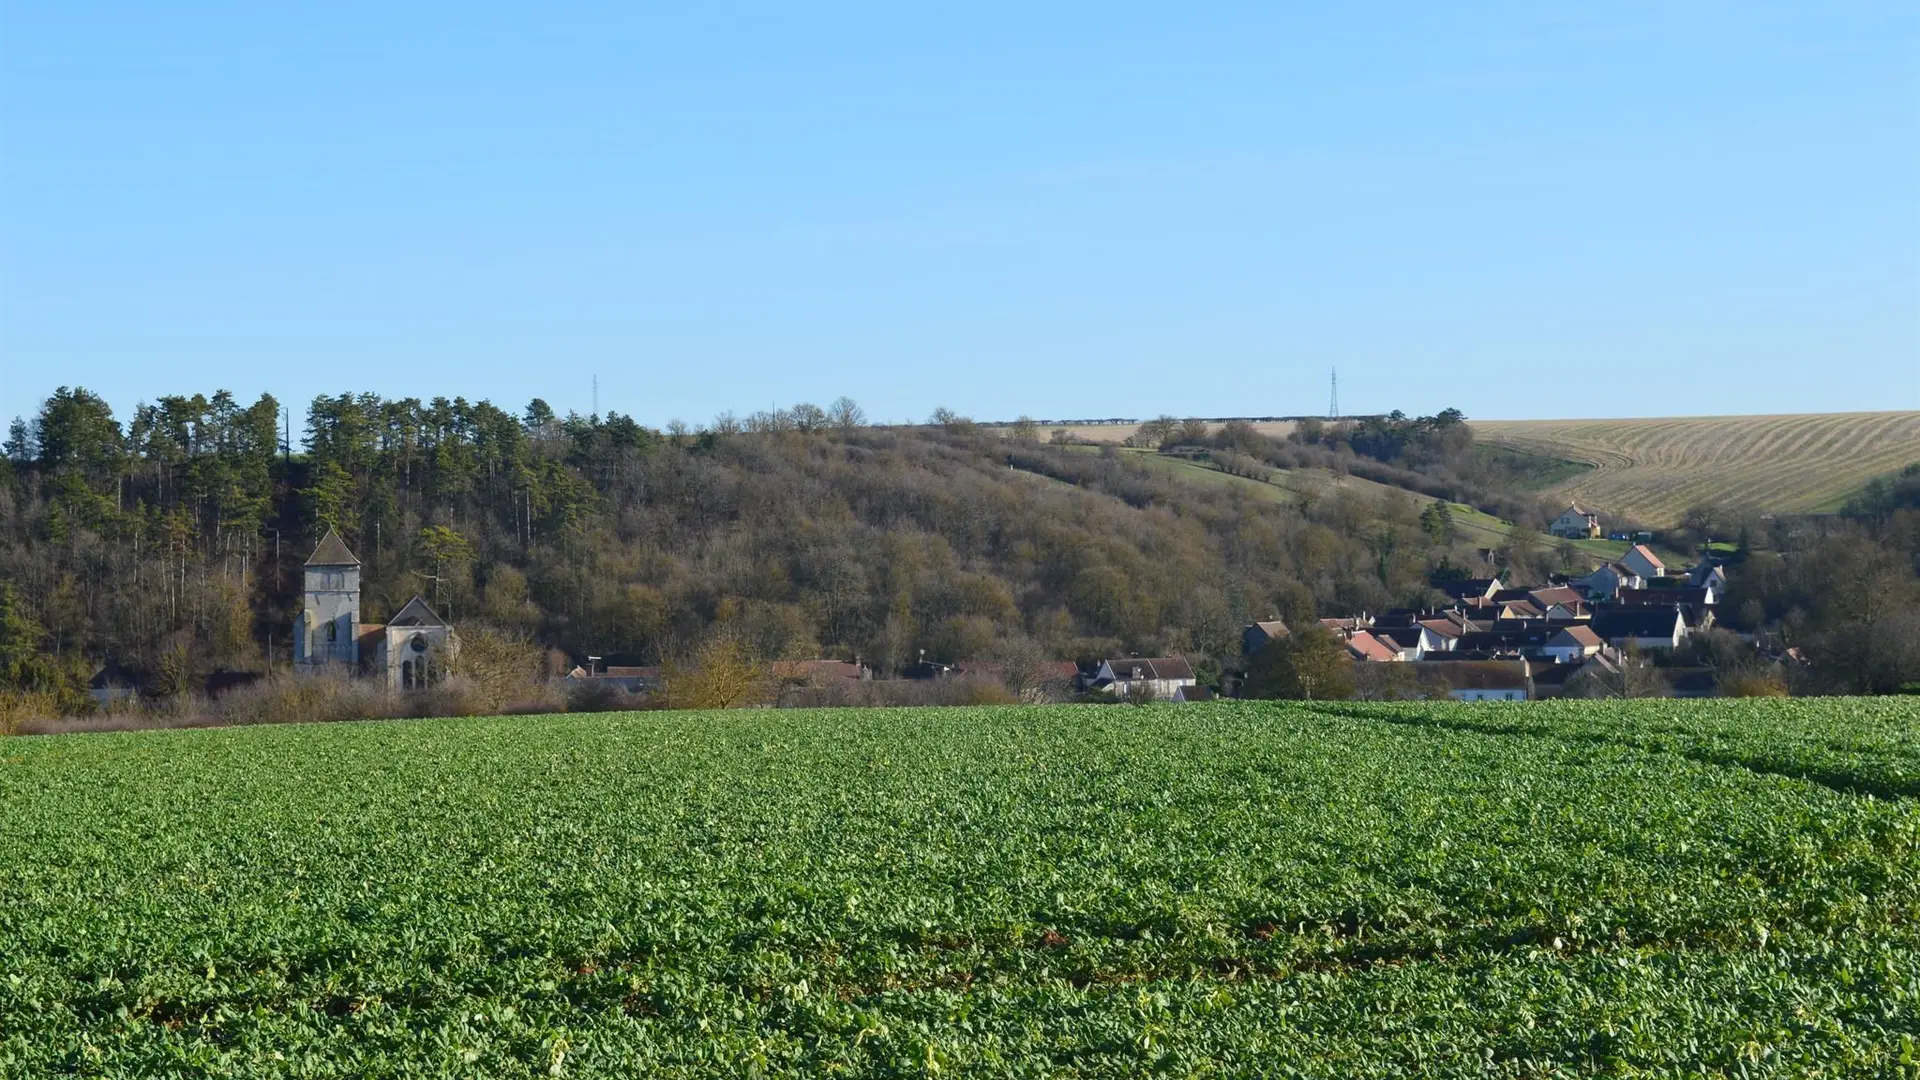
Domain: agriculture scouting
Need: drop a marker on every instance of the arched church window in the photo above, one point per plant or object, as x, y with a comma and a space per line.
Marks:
406, 675
333, 632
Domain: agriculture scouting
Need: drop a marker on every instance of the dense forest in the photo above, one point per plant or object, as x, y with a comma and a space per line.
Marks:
170, 544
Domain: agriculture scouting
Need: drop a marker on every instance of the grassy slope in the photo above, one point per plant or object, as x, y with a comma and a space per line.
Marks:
1237, 890
1530, 472
1483, 530
1654, 469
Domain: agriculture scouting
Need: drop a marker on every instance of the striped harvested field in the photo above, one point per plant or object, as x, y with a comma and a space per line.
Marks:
1653, 470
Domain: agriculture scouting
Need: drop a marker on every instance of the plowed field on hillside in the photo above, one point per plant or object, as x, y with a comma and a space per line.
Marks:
1653, 470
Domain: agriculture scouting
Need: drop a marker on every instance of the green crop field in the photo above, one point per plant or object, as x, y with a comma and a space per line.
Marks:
1654, 470
1650, 889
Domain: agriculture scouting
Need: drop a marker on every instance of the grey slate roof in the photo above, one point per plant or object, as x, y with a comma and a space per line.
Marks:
1640, 622
1158, 667
1469, 587
416, 613
332, 551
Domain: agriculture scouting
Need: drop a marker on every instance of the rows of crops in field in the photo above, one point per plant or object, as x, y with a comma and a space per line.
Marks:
1653, 470
1243, 890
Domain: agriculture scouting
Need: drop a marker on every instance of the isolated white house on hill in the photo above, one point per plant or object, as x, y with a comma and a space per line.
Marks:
1576, 524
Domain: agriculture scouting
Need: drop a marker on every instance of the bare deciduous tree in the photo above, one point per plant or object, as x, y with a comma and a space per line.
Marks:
846, 414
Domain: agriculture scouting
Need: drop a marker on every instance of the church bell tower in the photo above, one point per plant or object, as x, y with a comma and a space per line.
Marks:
325, 632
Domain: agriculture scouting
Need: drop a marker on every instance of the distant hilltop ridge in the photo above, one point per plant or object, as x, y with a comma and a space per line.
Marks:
1657, 469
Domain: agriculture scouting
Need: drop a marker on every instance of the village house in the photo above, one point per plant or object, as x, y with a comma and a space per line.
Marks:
1362, 645
632, 679
1572, 645
1259, 635
1162, 676
1445, 631
1642, 561
1482, 680
1708, 575
1641, 628
817, 672
1576, 524
1508, 637
1588, 675
1606, 582
1560, 603
1698, 606
1469, 588
1411, 638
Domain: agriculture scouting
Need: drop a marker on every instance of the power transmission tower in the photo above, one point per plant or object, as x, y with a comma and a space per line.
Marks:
1333, 406
596, 395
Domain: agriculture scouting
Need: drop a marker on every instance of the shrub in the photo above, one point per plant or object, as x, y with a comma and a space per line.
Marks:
457, 695
1768, 683
21, 708
286, 699
721, 674
498, 668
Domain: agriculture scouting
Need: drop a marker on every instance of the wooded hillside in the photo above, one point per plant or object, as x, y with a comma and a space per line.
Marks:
171, 543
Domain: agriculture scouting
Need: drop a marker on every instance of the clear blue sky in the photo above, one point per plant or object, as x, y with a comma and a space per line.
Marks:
1066, 209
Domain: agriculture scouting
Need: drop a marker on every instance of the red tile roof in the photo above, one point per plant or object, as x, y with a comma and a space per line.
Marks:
1367, 647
